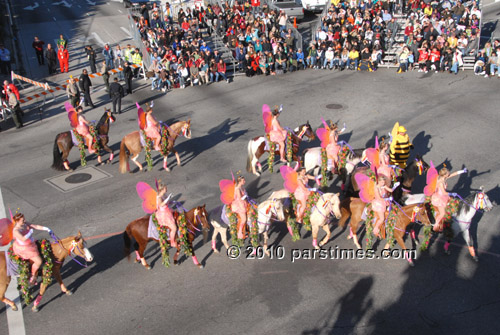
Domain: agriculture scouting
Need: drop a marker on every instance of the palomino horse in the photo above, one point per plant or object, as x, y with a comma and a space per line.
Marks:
138, 229
267, 212
71, 245
401, 193
461, 222
312, 162
257, 147
354, 207
64, 143
131, 145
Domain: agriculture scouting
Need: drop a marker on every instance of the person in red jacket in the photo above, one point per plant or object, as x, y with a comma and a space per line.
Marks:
63, 56
221, 71
435, 58
423, 57
12, 87
255, 6
38, 46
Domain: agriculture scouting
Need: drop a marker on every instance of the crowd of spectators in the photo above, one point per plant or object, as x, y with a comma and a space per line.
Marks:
354, 35
178, 53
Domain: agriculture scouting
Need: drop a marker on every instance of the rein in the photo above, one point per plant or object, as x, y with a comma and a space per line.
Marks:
70, 251
474, 206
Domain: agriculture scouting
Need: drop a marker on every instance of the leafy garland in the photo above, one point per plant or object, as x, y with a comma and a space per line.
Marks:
183, 234
24, 269
45, 250
95, 136
272, 149
324, 167
450, 210
163, 239
292, 222
390, 224
369, 228
164, 140
233, 229
81, 147
254, 227
342, 157
289, 147
149, 145
312, 200
427, 237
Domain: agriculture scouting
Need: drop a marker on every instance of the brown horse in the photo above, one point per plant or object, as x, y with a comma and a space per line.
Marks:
354, 207
138, 229
257, 147
131, 145
64, 143
71, 245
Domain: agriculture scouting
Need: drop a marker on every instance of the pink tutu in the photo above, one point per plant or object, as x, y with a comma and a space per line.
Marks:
25, 250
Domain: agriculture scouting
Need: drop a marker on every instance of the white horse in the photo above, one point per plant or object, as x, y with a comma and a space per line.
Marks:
312, 162
462, 220
267, 212
328, 204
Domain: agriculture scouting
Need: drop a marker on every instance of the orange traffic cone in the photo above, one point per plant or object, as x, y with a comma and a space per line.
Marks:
295, 22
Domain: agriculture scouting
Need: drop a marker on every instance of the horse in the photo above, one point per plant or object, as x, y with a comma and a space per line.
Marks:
131, 145
63, 143
61, 248
402, 192
328, 203
462, 220
268, 211
138, 230
257, 147
354, 207
312, 162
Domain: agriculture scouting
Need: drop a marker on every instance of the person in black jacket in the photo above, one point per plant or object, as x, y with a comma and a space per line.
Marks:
91, 57
116, 93
85, 85
129, 74
51, 56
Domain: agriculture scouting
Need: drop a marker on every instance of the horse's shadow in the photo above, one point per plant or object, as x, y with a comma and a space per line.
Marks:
103, 260
189, 150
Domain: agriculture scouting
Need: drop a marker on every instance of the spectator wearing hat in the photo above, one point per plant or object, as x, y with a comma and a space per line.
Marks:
73, 92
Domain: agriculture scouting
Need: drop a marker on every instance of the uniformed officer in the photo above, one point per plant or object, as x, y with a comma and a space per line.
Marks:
116, 93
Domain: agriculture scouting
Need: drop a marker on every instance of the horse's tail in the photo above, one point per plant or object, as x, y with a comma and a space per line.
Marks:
345, 211
249, 156
124, 154
127, 242
58, 163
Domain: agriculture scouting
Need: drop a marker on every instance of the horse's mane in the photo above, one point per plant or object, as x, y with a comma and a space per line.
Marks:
463, 205
102, 120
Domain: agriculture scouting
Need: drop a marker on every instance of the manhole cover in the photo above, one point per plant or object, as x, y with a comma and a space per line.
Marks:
78, 178
334, 106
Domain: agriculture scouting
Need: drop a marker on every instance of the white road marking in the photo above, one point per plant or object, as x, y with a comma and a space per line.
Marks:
126, 31
98, 39
64, 3
91, 2
15, 320
54, 18
122, 12
48, 10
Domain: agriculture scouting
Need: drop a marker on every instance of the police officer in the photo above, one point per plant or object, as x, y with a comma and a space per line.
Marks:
116, 93
129, 74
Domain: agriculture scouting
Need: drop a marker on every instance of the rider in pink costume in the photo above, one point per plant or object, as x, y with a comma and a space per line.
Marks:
83, 129
164, 214
278, 134
152, 128
240, 205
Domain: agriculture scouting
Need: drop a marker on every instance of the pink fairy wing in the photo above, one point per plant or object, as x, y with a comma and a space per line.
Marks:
372, 156
226, 187
366, 187
141, 116
6, 228
290, 176
72, 115
432, 176
267, 118
148, 196
324, 136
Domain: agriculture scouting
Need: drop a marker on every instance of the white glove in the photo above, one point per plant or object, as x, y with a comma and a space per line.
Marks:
281, 108
29, 234
47, 229
244, 197
314, 189
463, 171
342, 130
453, 194
395, 186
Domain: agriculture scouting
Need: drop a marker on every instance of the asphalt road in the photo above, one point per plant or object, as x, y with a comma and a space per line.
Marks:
452, 119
